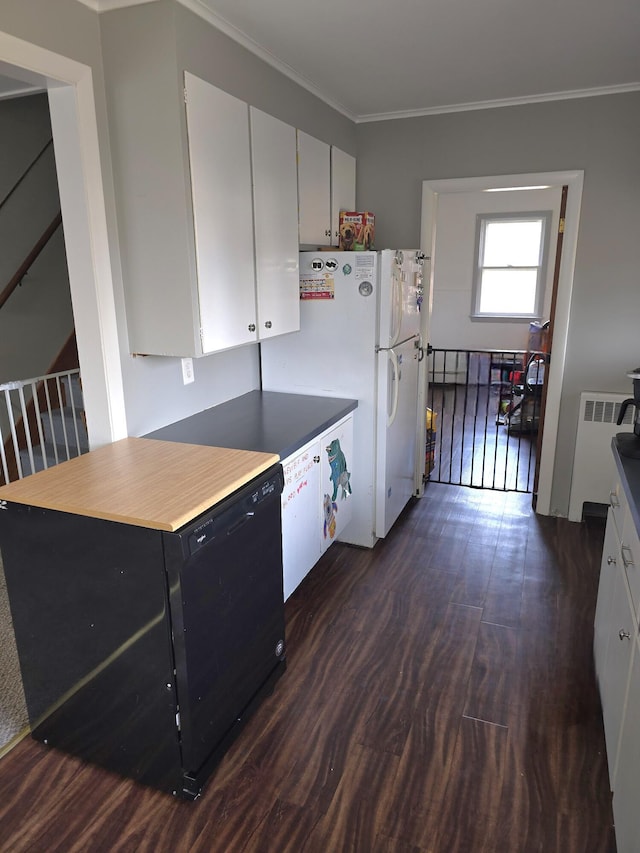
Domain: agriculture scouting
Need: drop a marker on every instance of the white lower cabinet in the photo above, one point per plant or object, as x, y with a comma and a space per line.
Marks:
616, 669
626, 810
336, 454
315, 500
617, 663
608, 571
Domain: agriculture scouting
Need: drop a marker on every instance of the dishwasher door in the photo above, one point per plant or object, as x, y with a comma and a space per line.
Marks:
227, 615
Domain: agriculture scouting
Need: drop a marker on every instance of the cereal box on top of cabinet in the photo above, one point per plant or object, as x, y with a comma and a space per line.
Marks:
357, 231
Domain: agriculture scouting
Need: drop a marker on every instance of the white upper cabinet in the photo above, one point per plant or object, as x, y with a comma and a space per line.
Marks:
343, 188
314, 182
326, 185
275, 200
220, 164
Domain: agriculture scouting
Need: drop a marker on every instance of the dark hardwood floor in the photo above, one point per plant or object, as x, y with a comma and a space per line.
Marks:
474, 445
439, 696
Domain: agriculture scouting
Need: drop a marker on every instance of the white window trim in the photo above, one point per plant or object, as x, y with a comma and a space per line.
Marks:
482, 219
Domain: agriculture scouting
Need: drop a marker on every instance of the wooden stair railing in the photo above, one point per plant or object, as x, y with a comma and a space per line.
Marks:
47, 144
25, 266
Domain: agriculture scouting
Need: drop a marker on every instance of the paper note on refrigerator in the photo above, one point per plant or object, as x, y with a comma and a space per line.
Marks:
317, 287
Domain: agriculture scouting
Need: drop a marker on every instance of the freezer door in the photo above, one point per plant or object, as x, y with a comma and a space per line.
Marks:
400, 276
395, 431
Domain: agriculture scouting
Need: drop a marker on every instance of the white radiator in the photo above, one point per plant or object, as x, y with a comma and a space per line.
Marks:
594, 470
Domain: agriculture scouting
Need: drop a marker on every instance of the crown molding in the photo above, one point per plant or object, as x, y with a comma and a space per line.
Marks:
199, 8
238, 36
504, 102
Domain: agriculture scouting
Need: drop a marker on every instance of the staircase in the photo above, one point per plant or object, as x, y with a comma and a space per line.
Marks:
42, 419
42, 423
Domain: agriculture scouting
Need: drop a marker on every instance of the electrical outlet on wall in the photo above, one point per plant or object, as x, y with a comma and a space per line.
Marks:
187, 370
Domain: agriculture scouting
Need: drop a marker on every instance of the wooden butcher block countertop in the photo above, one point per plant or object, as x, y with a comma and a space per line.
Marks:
149, 483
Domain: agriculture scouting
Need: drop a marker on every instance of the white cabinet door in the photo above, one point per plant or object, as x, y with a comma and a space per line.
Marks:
343, 188
220, 163
616, 667
626, 814
630, 553
336, 448
316, 503
608, 570
314, 182
300, 515
275, 203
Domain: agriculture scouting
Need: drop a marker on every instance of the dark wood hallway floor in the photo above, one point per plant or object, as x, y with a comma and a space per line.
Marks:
439, 696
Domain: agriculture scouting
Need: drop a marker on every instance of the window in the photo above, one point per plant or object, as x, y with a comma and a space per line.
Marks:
511, 261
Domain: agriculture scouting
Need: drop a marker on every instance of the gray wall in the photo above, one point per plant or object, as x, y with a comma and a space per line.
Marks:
599, 135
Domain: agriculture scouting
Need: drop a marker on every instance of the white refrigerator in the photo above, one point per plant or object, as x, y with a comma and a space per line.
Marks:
360, 338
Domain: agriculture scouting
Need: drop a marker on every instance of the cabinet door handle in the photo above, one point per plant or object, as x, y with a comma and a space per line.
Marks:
626, 560
611, 561
268, 324
613, 500
252, 327
316, 459
327, 233
624, 635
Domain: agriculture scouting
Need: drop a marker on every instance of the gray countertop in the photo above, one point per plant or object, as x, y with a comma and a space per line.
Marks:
265, 421
629, 470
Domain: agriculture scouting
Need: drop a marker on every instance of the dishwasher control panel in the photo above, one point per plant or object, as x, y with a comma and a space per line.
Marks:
266, 489
230, 514
201, 535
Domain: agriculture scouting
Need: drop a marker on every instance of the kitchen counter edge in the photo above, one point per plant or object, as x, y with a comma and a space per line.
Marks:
629, 470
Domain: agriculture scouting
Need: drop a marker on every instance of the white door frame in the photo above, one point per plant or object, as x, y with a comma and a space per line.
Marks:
574, 180
75, 136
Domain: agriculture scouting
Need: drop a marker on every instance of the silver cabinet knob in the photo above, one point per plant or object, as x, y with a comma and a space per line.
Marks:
316, 458
624, 635
268, 324
611, 561
252, 327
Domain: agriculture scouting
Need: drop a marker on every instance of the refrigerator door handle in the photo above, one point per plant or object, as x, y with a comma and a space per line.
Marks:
391, 416
396, 308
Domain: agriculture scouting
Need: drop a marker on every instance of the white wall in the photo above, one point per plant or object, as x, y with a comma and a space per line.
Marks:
454, 262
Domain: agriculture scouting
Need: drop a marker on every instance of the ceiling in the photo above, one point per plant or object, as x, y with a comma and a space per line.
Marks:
375, 59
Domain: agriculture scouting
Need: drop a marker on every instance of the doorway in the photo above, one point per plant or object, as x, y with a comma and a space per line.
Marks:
69, 86
433, 191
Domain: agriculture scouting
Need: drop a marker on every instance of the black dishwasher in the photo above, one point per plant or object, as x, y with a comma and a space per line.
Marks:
141, 650
227, 615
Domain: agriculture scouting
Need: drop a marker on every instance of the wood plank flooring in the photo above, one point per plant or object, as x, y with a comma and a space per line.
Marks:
439, 697
472, 448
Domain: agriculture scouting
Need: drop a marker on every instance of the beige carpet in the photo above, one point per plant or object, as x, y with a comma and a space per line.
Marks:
13, 711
